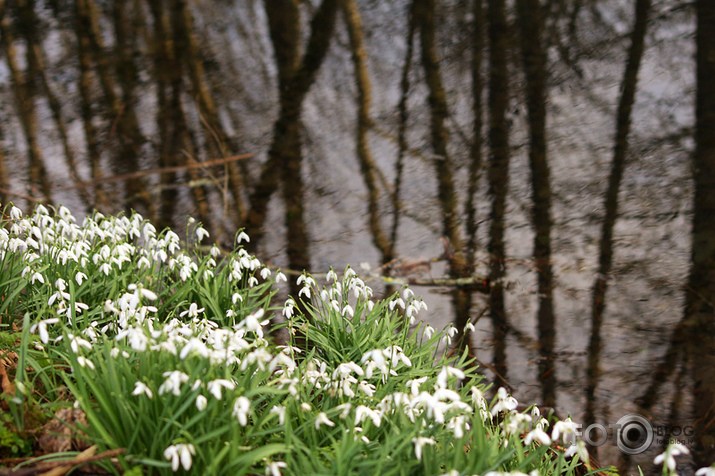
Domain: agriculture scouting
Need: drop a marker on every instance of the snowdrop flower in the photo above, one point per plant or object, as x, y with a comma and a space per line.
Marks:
142, 388
173, 382
567, 428
242, 237
306, 406
507, 403
280, 277
85, 362
77, 342
280, 411
447, 372
240, 410
201, 233
427, 332
706, 471
419, 442
414, 385
362, 412
180, 453
41, 327
201, 403
273, 468
673, 450
193, 311
80, 277
288, 308
322, 419
539, 435
215, 387
331, 276
578, 449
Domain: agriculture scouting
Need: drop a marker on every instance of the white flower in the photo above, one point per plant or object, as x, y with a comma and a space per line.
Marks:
579, 449
142, 388
201, 233
566, 427
215, 386
427, 333
280, 277
539, 435
42, 328
281, 412
673, 450
331, 276
419, 442
201, 403
240, 410
180, 453
362, 412
243, 237
508, 403
85, 362
79, 277
322, 419
193, 311
273, 468
173, 382
77, 342
710, 471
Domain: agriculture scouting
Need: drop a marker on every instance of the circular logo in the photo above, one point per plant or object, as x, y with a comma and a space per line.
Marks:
634, 434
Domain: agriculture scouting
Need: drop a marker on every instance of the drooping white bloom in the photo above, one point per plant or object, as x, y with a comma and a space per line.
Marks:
201, 403
215, 386
419, 442
538, 435
362, 412
506, 403
707, 471
578, 448
281, 412
242, 237
240, 410
142, 388
273, 468
83, 362
201, 233
41, 327
192, 312
173, 382
668, 457
322, 419
566, 428
180, 453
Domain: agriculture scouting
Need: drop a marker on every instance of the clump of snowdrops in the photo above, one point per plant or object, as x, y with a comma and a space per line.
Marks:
168, 349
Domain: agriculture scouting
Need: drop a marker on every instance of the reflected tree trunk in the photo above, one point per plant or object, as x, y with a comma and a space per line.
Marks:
402, 145
284, 165
125, 125
475, 162
700, 292
24, 89
27, 25
424, 11
620, 151
368, 167
187, 49
498, 175
531, 24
